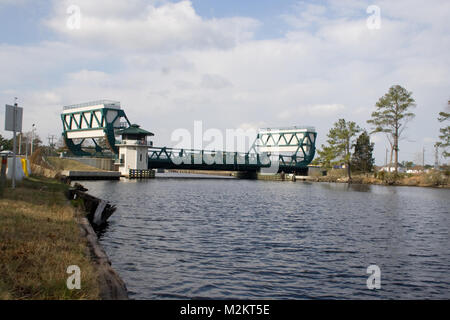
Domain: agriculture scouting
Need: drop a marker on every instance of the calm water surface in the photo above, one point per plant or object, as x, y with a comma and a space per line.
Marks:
183, 237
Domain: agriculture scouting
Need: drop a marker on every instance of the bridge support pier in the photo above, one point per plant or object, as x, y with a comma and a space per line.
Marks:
250, 175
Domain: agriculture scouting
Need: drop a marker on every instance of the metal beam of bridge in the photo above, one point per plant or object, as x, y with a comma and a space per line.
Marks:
288, 150
188, 159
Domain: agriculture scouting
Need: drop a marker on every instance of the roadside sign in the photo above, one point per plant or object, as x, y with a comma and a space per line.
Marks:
13, 118
13, 122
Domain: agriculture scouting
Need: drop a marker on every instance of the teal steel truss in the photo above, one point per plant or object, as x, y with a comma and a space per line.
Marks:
289, 150
292, 147
191, 159
82, 122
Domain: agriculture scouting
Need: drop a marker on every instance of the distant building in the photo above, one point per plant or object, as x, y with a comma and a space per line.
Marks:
392, 169
340, 166
314, 170
418, 170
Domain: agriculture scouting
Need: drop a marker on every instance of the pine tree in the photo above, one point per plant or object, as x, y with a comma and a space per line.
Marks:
5, 144
326, 157
445, 133
362, 159
340, 142
392, 115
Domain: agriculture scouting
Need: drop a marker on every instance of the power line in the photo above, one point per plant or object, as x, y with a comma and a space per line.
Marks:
51, 138
436, 157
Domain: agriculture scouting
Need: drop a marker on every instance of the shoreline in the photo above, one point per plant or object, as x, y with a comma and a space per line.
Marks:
357, 179
376, 182
112, 287
34, 264
40, 242
380, 184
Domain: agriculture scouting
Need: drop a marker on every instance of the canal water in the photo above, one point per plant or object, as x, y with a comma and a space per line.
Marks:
202, 237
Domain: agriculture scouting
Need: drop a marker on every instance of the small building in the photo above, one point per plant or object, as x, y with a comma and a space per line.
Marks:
314, 170
392, 169
133, 150
418, 170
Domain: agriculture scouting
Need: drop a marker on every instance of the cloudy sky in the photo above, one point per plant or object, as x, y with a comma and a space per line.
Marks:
231, 64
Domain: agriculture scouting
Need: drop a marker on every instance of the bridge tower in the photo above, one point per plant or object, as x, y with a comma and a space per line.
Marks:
293, 147
93, 121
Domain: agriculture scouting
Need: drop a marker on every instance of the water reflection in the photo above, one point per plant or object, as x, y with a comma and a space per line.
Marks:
360, 187
228, 238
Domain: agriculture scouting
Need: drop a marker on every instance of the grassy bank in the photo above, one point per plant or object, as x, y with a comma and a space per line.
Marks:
60, 164
39, 239
430, 179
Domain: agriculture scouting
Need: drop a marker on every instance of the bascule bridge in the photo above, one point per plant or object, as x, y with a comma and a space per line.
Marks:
288, 149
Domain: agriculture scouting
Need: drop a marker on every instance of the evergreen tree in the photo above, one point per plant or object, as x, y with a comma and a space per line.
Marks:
6, 144
445, 133
362, 159
340, 142
326, 157
392, 115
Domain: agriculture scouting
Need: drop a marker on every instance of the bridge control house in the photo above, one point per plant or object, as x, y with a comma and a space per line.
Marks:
133, 152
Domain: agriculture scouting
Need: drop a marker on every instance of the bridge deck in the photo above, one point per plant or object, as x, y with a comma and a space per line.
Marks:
189, 159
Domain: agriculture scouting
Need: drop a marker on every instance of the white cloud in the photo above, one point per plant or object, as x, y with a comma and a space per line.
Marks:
169, 66
215, 81
252, 126
132, 26
319, 111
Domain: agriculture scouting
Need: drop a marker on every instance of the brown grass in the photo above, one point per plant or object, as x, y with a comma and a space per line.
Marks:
39, 239
430, 179
69, 164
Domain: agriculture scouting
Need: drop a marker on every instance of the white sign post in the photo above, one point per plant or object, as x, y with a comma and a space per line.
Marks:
13, 122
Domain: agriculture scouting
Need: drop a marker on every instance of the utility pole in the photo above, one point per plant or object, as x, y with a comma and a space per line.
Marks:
385, 161
51, 138
20, 144
32, 138
26, 147
436, 157
14, 146
423, 158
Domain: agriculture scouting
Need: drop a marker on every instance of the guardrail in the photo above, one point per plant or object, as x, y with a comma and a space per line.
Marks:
135, 143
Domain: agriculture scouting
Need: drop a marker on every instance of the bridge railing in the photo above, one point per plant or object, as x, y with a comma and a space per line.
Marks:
134, 143
158, 157
105, 102
193, 156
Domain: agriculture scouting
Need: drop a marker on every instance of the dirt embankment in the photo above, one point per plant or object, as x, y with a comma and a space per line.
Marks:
434, 179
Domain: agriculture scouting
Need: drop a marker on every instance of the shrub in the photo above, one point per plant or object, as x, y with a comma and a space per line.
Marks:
389, 177
435, 178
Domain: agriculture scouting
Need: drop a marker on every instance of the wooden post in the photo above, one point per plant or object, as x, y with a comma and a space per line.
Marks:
3, 174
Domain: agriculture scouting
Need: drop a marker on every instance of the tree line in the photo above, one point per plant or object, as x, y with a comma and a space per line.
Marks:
23, 143
350, 144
